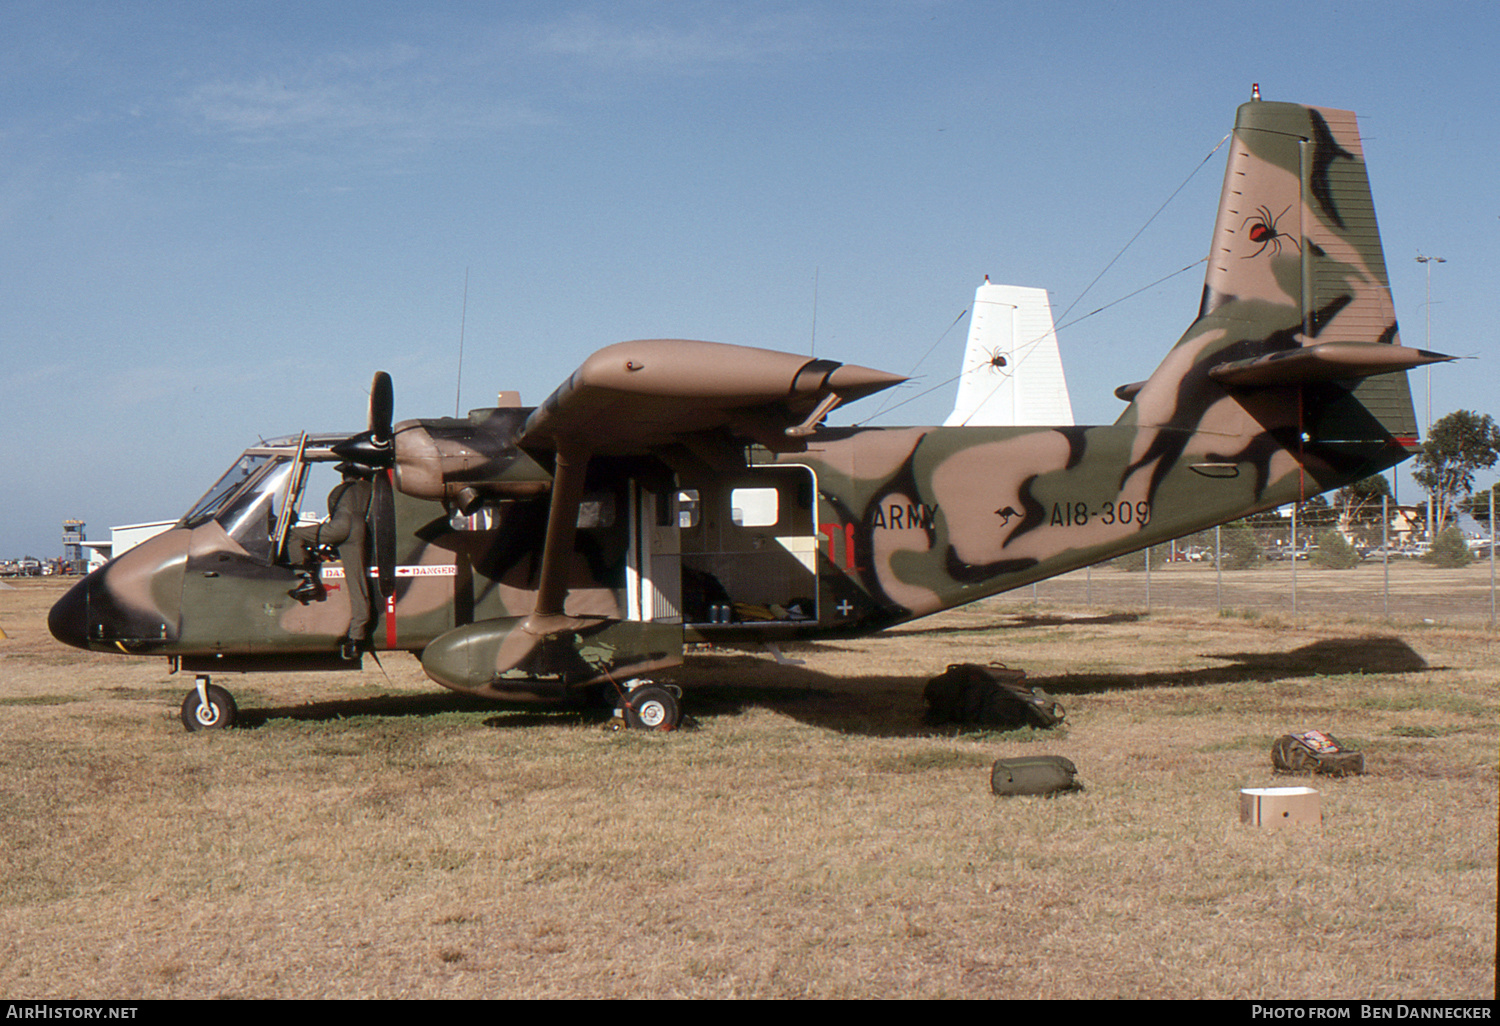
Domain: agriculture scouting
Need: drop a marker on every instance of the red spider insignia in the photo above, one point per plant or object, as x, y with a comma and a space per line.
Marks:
1263, 230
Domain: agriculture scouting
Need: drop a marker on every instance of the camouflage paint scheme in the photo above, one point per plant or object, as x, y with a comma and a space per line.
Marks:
523, 536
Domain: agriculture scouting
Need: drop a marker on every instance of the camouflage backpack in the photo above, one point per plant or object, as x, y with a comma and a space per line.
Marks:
992, 695
1313, 751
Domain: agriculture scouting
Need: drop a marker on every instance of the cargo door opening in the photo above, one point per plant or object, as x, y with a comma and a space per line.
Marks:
749, 548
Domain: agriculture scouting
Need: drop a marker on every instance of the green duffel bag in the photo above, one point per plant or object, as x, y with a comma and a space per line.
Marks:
1034, 774
992, 696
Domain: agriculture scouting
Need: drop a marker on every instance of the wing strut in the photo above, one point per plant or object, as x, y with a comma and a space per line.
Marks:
562, 529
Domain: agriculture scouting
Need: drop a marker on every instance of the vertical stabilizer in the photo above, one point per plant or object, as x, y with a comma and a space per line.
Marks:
1012, 373
1296, 229
1296, 292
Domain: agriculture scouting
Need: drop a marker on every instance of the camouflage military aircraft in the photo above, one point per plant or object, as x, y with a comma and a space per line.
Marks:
676, 491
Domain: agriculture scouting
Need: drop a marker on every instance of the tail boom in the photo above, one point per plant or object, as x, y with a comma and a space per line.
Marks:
1290, 382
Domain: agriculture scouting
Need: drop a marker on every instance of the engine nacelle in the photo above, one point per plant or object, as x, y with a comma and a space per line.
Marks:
461, 462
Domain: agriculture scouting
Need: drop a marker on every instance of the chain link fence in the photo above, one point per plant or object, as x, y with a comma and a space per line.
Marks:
1296, 562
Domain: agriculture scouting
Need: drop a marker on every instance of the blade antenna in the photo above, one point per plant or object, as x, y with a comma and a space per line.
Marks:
463, 320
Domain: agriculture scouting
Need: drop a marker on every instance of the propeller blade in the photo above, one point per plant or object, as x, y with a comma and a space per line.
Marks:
372, 448
382, 406
383, 526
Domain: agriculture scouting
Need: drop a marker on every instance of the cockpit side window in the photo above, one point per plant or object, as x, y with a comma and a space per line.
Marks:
246, 500
249, 517
215, 499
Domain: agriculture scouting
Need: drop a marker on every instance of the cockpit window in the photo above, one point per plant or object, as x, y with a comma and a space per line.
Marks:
245, 501
249, 517
214, 501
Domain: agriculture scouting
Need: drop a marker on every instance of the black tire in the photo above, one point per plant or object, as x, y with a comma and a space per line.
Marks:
652, 707
218, 714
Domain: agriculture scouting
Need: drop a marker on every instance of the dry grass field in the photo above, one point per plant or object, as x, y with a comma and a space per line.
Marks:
368, 835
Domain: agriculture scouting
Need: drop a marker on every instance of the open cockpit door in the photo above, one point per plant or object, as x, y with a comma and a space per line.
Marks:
290, 500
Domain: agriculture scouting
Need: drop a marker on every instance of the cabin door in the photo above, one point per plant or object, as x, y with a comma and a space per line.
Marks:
653, 574
750, 548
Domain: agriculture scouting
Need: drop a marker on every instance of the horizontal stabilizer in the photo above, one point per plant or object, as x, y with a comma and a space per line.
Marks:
1327, 361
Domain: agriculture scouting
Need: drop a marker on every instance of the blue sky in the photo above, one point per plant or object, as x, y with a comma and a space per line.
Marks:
218, 220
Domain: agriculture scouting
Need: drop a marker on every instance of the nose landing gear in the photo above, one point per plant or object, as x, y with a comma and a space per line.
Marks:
208, 707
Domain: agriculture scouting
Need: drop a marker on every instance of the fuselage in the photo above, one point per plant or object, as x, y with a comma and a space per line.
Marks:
865, 528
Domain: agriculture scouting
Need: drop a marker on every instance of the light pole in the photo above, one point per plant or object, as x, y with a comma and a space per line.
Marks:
1428, 261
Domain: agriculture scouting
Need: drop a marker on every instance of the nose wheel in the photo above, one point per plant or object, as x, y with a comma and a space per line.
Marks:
208, 707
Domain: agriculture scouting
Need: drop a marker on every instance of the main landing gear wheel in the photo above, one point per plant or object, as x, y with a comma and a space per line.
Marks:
208, 707
652, 707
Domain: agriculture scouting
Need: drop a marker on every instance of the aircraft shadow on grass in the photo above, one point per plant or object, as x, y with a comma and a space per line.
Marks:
1326, 658
417, 705
1019, 620
877, 705
894, 705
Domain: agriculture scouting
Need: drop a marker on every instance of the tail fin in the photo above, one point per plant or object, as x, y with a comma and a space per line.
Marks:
1012, 373
1296, 229
1296, 291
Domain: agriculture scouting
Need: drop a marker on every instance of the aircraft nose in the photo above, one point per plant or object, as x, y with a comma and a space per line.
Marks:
69, 619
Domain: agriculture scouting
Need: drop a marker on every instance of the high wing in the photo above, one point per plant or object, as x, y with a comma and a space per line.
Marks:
636, 396
630, 399
633, 397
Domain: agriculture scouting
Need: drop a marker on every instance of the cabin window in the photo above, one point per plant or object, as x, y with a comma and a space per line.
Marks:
754, 507
597, 510
479, 520
687, 508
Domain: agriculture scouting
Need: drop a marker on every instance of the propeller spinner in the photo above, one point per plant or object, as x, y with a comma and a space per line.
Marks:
372, 450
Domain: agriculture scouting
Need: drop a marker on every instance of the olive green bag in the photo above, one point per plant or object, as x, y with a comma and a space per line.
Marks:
1034, 774
993, 696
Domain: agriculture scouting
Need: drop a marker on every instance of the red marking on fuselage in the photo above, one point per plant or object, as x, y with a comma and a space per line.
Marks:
831, 532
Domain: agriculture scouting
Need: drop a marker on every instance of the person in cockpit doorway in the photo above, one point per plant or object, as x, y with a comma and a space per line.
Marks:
345, 530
